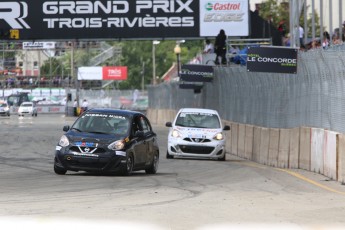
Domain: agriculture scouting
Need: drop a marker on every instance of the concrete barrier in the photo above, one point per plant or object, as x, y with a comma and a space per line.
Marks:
294, 148
227, 137
234, 138
264, 146
284, 147
161, 116
330, 155
273, 147
317, 150
241, 140
304, 148
256, 144
341, 157
248, 142
171, 115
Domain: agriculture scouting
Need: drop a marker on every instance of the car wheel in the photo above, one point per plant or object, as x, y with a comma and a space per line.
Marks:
59, 171
222, 158
154, 164
169, 156
129, 166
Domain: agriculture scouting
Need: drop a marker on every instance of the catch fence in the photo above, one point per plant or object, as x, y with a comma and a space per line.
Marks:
314, 97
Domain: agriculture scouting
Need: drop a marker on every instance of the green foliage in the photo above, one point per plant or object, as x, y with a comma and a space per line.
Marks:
136, 54
271, 9
279, 11
51, 66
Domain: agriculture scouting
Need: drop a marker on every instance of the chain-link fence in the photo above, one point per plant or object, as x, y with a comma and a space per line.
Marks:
314, 97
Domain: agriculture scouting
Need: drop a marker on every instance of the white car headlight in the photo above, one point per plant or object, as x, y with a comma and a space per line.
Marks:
218, 136
64, 141
117, 145
175, 133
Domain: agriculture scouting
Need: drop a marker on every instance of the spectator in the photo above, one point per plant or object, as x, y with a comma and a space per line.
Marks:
287, 41
301, 34
325, 40
220, 47
85, 105
75, 107
209, 49
135, 95
282, 30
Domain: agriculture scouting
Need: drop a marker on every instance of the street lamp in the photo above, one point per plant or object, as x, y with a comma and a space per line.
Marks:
154, 43
177, 51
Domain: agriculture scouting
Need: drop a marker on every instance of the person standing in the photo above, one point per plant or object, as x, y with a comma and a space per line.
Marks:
301, 35
220, 47
75, 107
209, 49
85, 105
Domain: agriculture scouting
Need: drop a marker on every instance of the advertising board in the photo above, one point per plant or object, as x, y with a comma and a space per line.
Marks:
196, 73
272, 59
123, 19
102, 73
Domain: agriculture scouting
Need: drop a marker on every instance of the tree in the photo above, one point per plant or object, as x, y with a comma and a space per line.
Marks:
135, 53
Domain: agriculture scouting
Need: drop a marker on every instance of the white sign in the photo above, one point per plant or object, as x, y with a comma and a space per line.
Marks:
232, 16
90, 73
38, 45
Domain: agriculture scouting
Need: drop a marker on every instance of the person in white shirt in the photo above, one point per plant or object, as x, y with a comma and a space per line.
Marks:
209, 48
301, 34
85, 105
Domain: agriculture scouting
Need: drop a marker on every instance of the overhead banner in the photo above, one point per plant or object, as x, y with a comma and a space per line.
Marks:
104, 73
231, 16
272, 59
121, 19
38, 45
196, 73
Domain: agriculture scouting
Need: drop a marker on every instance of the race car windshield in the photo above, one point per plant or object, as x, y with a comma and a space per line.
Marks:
102, 124
198, 120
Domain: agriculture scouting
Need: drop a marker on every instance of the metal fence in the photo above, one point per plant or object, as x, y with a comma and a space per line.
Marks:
314, 97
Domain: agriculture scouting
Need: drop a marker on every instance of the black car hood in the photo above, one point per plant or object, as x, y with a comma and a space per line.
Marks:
93, 137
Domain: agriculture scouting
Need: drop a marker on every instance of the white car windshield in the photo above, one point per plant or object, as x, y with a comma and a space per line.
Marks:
198, 120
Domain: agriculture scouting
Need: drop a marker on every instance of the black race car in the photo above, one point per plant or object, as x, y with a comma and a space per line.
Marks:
108, 141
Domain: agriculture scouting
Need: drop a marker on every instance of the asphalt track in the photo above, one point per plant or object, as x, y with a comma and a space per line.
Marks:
184, 194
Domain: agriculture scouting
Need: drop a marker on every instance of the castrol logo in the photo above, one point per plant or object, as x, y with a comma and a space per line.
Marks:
222, 6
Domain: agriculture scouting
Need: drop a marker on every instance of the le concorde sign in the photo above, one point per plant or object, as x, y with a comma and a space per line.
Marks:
123, 19
272, 59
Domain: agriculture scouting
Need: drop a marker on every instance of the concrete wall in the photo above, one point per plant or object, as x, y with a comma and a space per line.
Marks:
318, 150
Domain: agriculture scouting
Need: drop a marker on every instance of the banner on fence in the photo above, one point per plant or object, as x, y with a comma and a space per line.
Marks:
102, 73
196, 73
272, 59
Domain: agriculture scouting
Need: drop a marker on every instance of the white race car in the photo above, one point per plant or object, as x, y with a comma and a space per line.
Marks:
197, 133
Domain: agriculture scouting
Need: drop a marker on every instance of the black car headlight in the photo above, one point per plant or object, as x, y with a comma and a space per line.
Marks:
64, 141
117, 145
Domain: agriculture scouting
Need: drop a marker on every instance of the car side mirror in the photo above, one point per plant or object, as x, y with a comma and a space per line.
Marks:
168, 124
65, 128
139, 133
227, 127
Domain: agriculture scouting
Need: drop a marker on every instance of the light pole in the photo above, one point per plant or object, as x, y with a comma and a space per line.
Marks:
177, 51
154, 43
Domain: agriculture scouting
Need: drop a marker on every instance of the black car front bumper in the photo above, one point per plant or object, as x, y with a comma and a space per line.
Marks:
106, 162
